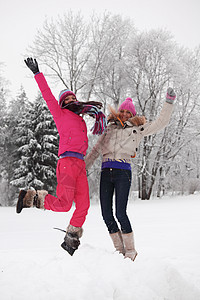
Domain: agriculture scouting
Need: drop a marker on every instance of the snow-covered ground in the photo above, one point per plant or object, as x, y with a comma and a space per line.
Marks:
33, 265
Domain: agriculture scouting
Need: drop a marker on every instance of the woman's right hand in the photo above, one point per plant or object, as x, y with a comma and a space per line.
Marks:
171, 95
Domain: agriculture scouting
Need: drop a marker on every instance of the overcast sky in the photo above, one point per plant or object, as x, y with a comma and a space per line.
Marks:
19, 21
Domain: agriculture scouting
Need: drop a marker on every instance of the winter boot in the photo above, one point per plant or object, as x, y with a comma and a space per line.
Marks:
118, 242
30, 198
71, 240
128, 240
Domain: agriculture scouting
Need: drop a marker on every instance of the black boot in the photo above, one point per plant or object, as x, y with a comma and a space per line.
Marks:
71, 240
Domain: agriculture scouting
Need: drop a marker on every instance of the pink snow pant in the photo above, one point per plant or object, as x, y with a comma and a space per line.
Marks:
72, 186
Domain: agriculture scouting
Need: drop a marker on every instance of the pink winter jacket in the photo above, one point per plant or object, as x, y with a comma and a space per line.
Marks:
71, 127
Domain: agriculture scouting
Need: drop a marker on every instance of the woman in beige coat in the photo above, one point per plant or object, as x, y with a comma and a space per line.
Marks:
117, 146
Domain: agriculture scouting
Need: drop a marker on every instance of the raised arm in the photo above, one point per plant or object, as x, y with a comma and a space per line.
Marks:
164, 116
51, 101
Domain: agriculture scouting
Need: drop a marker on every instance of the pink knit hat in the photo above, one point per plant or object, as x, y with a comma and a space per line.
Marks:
63, 94
128, 105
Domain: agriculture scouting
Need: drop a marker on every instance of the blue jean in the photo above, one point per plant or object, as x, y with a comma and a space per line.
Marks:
118, 181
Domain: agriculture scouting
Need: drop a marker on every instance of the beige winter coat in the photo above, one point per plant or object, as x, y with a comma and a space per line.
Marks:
122, 143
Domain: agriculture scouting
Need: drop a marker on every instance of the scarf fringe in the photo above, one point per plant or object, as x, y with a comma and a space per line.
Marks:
100, 124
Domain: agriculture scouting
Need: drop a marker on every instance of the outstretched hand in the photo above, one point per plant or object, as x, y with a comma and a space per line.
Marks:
32, 65
171, 95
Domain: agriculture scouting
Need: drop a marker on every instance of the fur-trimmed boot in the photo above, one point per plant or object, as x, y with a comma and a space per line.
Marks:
129, 245
30, 198
71, 240
118, 242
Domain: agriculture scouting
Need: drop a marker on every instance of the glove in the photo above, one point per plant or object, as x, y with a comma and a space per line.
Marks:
171, 96
32, 65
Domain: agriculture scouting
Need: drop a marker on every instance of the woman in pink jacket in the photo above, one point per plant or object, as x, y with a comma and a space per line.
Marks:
71, 173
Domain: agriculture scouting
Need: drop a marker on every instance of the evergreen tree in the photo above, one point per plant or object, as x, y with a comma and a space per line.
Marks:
37, 142
22, 139
3, 157
45, 156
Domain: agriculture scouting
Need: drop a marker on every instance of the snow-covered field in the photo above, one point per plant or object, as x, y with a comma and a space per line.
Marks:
33, 265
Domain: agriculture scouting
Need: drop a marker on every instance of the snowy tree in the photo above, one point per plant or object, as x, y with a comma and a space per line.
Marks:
45, 156
4, 92
37, 142
149, 72
161, 152
3, 112
86, 57
109, 36
22, 140
184, 173
14, 112
62, 46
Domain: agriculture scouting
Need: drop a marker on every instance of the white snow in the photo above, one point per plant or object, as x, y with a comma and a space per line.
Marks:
167, 233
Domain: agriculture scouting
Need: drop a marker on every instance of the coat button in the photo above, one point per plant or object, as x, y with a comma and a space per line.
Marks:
134, 131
